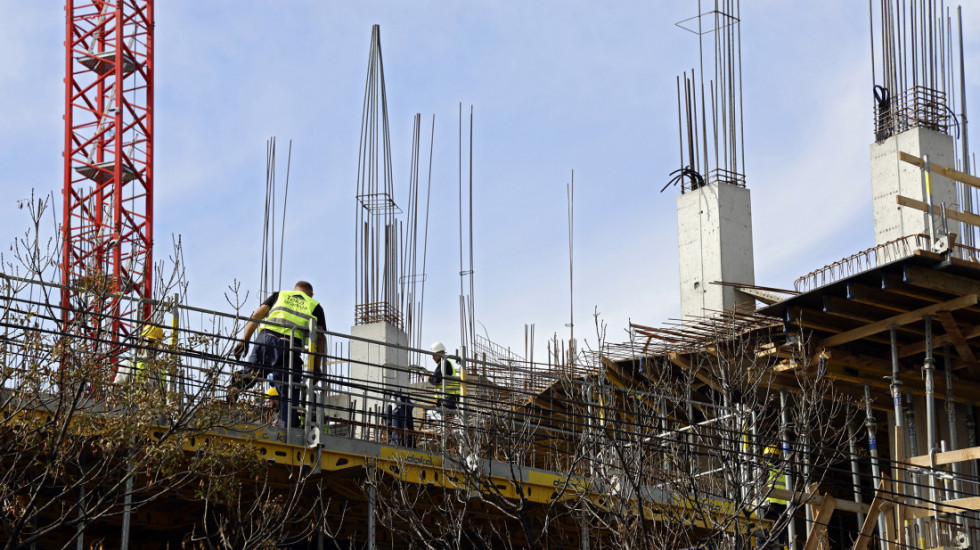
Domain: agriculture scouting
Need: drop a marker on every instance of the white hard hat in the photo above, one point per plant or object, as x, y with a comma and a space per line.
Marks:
437, 347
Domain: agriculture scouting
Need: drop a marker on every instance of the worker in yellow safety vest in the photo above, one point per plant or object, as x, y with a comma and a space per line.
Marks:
282, 322
445, 378
134, 370
777, 478
775, 508
272, 407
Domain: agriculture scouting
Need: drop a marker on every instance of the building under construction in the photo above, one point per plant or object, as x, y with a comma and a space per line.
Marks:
765, 418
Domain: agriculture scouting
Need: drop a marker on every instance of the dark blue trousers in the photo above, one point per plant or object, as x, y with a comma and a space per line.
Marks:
270, 354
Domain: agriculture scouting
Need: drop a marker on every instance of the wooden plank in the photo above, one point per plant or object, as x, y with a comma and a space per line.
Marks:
893, 283
870, 520
817, 500
957, 506
896, 302
937, 341
873, 370
818, 320
949, 457
959, 341
858, 311
820, 522
890, 536
944, 171
951, 213
898, 320
937, 280
864, 313
685, 363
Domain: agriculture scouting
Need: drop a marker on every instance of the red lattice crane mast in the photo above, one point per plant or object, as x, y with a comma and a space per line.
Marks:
107, 225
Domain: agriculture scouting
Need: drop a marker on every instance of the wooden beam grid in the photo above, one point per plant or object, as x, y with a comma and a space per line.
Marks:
886, 298
819, 321
859, 370
866, 331
846, 321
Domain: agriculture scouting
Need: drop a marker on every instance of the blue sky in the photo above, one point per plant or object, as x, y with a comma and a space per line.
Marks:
556, 86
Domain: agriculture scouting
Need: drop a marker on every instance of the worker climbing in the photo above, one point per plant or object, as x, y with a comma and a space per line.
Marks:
284, 318
445, 379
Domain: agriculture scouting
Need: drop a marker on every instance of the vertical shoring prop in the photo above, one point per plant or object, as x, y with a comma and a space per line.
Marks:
371, 528
895, 387
873, 449
928, 373
953, 436
787, 459
855, 471
80, 530
971, 441
913, 446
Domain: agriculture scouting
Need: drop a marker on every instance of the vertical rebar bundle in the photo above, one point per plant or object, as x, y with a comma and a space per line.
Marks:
467, 317
709, 115
268, 282
913, 72
388, 284
412, 274
377, 262
916, 78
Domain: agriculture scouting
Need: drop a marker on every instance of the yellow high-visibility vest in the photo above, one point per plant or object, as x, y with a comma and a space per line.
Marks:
776, 482
291, 314
451, 384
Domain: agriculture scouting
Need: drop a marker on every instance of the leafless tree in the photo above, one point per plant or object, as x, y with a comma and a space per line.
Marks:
695, 441
78, 451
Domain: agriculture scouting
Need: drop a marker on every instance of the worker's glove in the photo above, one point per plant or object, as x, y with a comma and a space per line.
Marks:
240, 349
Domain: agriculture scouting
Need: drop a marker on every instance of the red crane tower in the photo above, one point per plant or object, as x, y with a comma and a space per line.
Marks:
107, 226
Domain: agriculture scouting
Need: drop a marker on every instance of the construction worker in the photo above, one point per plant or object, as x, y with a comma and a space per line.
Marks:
135, 370
774, 507
273, 405
279, 344
443, 375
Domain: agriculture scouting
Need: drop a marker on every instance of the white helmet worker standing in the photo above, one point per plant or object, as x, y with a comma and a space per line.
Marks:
445, 379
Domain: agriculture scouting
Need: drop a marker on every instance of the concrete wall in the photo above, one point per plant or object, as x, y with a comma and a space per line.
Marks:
376, 365
891, 177
714, 232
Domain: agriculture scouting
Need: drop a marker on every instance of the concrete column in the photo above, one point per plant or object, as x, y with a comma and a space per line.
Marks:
714, 233
891, 177
376, 368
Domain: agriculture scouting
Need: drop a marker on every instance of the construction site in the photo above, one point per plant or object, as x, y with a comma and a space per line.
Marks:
838, 413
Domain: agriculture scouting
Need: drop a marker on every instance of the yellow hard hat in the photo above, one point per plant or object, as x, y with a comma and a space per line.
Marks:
152, 332
771, 450
271, 392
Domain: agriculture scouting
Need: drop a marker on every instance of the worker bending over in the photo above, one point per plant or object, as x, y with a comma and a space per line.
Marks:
287, 315
446, 381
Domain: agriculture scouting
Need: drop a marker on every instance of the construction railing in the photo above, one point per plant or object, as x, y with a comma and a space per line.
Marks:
858, 262
561, 422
